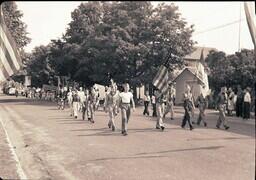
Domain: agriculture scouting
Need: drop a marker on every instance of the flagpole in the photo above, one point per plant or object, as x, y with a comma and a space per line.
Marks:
239, 33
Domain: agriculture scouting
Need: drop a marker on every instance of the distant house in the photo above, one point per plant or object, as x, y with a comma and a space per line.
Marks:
193, 74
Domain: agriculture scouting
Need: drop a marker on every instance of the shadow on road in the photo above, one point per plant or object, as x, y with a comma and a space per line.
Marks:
138, 156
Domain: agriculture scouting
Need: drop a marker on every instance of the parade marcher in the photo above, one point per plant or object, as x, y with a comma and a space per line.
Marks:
85, 104
126, 99
146, 103
93, 98
81, 96
188, 107
61, 96
170, 100
231, 103
239, 102
76, 101
247, 104
202, 105
153, 102
221, 102
70, 101
111, 105
160, 109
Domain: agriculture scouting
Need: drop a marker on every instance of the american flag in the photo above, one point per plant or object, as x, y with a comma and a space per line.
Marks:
10, 61
161, 79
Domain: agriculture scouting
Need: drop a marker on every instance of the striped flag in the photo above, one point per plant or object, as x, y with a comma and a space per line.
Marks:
10, 61
161, 79
249, 8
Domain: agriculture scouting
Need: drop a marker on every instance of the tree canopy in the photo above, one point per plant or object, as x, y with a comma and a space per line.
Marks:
231, 70
124, 40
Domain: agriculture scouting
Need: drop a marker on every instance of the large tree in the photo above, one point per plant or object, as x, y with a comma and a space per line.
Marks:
125, 40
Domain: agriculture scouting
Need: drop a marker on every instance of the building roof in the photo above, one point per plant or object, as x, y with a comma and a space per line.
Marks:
191, 70
195, 55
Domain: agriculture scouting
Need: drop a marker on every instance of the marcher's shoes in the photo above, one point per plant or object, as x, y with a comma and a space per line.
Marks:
76, 117
191, 128
109, 125
157, 127
92, 121
122, 132
172, 119
113, 128
218, 127
205, 124
183, 127
162, 127
226, 127
125, 133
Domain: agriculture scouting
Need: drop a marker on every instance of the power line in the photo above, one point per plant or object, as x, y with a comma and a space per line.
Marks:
218, 27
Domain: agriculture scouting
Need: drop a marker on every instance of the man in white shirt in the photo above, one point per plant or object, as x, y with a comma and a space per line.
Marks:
126, 98
247, 103
80, 94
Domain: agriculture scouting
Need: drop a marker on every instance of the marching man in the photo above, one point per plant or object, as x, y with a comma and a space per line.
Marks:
93, 98
170, 101
126, 98
111, 105
85, 104
160, 109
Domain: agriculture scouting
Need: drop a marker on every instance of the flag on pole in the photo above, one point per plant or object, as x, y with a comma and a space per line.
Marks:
199, 69
249, 8
161, 79
10, 61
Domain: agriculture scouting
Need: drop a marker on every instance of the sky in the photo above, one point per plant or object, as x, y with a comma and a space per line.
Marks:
49, 20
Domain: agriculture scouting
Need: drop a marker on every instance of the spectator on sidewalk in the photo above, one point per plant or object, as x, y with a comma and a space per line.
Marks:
239, 102
247, 103
146, 103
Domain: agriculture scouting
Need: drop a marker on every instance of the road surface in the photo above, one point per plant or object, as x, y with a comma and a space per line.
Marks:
49, 144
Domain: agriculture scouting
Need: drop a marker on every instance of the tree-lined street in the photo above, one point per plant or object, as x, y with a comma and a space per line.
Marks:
51, 144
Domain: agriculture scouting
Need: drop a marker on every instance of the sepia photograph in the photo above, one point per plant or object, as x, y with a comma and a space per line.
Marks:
127, 90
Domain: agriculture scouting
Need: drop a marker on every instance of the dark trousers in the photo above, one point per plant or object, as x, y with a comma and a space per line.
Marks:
239, 107
154, 110
246, 111
186, 119
146, 108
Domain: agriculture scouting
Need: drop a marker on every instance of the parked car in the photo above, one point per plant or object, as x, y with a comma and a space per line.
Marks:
11, 91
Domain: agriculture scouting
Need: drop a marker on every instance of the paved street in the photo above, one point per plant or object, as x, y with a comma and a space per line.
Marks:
52, 145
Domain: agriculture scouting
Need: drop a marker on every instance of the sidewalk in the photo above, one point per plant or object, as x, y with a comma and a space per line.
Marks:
8, 169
